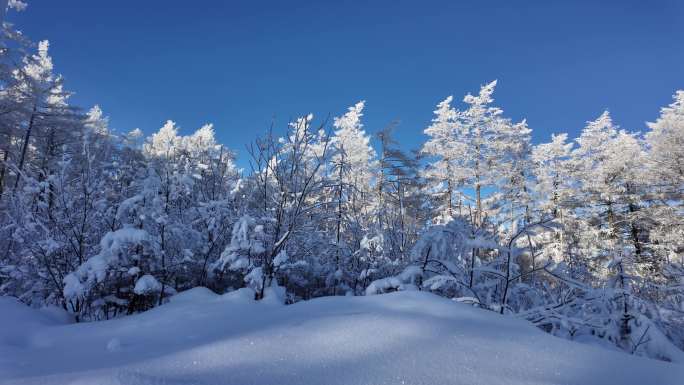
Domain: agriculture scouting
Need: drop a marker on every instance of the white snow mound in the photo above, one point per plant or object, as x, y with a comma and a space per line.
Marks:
398, 338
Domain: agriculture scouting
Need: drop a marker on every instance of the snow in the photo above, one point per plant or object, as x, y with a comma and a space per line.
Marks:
280, 259
146, 284
404, 281
18, 322
399, 338
114, 345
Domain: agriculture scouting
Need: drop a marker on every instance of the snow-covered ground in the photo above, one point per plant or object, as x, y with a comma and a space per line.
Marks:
399, 338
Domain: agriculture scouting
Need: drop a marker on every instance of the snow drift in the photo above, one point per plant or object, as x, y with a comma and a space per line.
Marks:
398, 338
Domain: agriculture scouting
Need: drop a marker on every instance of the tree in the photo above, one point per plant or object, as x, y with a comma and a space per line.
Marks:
477, 130
352, 169
445, 150
598, 204
399, 189
665, 175
553, 194
285, 174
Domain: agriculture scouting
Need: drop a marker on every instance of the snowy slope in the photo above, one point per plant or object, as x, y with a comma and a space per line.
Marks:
399, 338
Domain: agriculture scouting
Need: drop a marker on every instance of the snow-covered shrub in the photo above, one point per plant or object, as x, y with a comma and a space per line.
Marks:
108, 272
406, 280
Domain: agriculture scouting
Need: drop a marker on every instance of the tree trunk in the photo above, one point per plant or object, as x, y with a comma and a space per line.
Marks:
3, 167
24, 146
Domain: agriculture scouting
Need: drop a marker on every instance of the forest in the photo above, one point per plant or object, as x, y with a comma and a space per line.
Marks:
581, 237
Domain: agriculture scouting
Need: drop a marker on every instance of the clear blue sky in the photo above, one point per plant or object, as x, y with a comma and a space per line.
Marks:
238, 64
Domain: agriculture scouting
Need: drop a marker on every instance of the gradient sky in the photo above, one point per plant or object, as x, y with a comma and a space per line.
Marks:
239, 64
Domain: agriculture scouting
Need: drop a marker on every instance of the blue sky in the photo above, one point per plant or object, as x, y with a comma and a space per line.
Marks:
239, 64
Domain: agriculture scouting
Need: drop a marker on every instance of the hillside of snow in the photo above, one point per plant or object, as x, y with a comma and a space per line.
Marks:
399, 338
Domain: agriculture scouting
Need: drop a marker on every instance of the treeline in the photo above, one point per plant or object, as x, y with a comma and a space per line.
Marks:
583, 238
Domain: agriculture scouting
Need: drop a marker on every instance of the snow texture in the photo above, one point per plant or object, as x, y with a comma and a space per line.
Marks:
399, 338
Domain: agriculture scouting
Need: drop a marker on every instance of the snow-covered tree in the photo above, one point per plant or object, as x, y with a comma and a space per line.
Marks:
665, 176
279, 211
477, 129
353, 167
445, 149
552, 194
399, 186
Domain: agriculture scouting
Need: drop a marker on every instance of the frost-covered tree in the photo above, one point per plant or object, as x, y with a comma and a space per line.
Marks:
12, 100
352, 171
279, 210
665, 176
552, 187
608, 165
663, 208
399, 186
49, 120
598, 204
553, 196
513, 169
445, 150
351, 142
477, 130
171, 212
